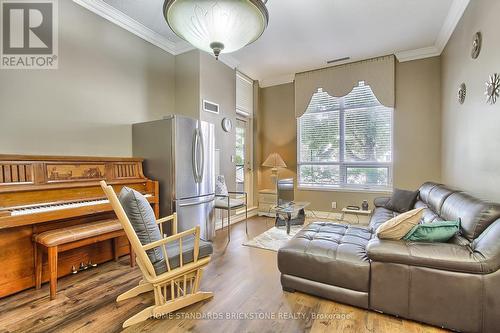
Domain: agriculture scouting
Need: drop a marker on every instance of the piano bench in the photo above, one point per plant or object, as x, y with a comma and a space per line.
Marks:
64, 239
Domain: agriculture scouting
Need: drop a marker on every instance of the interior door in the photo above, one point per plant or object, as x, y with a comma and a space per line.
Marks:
185, 147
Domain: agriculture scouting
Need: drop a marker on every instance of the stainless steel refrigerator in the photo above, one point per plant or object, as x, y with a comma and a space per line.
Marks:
179, 152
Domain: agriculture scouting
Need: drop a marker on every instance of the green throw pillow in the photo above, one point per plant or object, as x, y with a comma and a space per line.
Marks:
439, 232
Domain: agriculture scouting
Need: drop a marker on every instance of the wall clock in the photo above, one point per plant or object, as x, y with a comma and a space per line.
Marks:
477, 42
227, 124
462, 93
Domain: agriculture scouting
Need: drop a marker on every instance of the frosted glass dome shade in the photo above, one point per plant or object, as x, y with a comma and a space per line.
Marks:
219, 26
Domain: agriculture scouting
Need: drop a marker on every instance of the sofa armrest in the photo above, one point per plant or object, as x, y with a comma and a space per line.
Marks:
443, 256
381, 201
487, 247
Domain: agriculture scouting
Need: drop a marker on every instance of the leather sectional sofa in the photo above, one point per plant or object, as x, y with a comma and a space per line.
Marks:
455, 285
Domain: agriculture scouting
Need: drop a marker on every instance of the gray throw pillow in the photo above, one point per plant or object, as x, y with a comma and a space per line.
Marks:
143, 220
402, 200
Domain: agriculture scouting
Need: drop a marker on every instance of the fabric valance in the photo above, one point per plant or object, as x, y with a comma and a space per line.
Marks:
338, 81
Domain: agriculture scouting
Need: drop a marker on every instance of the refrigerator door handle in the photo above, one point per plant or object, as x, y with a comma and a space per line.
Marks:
195, 203
195, 156
202, 154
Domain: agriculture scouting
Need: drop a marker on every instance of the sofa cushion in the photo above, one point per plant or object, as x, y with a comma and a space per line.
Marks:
428, 215
399, 226
380, 215
402, 200
442, 256
475, 214
329, 253
437, 197
425, 190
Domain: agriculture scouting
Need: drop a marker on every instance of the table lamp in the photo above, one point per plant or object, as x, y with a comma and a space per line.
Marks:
275, 162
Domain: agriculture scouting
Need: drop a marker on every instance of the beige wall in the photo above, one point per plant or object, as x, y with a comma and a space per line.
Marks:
107, 79
218, 85
417, 139
417, 123
187, 84
471, 132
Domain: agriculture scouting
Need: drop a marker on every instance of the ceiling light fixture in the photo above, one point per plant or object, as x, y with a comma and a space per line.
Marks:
218, 26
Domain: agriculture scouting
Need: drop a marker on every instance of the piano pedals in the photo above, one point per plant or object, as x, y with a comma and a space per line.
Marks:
83, 267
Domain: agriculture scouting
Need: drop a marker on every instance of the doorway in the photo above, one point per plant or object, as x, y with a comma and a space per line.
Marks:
243, 157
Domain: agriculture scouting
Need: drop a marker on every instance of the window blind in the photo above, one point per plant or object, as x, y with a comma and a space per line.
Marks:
244, 95
345, 141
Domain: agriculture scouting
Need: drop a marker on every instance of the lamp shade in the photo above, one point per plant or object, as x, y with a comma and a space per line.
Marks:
218, 26
274, 160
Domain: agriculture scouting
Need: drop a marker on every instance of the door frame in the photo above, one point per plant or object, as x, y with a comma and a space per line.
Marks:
249, 158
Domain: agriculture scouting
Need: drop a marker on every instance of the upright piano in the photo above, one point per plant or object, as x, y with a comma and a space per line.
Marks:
41, 193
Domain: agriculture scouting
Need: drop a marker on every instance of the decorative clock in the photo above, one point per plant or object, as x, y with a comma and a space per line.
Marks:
227, 124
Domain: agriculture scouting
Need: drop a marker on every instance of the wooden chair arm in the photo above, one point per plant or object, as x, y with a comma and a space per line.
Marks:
163, 242
194, 231
172, 218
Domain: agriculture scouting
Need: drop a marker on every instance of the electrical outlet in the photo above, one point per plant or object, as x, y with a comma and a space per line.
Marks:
334, 204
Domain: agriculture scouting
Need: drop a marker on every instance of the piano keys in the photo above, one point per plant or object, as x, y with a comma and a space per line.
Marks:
40, 193
51, 206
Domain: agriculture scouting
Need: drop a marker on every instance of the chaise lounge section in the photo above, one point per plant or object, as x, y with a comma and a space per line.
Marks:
454, 285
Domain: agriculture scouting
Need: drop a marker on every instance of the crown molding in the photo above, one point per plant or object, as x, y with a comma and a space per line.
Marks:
117, 17
229, 60
183, 47
277, 80
422, 53
455, 13
124, 21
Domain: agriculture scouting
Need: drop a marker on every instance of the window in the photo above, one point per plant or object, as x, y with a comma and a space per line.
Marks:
345, 142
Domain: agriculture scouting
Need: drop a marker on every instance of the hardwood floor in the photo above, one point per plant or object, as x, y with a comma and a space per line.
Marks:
245, 282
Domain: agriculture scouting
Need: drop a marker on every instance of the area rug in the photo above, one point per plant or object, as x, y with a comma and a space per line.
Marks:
273, 238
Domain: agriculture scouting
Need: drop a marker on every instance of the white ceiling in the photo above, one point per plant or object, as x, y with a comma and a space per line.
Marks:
304, 34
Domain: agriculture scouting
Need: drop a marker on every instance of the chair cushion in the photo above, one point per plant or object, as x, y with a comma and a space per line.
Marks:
187, 253
329, 253
77, 232
143, 220
233, 203
402, 200
399, 226
220, 186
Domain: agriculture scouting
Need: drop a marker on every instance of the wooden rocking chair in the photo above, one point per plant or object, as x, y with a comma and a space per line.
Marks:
176, 288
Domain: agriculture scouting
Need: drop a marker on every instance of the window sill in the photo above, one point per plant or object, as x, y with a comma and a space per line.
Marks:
344, 189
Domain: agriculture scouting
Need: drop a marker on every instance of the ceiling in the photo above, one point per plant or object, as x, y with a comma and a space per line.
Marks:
304, 35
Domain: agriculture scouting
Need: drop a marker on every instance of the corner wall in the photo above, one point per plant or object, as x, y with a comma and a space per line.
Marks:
218, 85
471, 132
